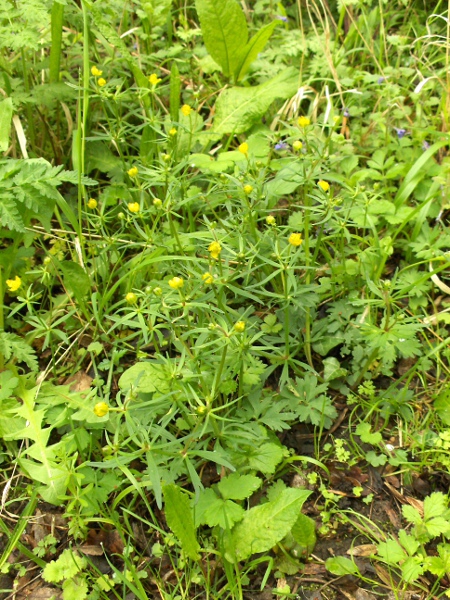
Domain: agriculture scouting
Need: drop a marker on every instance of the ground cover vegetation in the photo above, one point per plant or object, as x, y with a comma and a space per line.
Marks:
224, 307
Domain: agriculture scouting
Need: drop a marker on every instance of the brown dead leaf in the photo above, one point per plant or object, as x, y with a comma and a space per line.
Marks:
361, 594
363, 550
384, 575
91, 549
80, 382
417, 504
392, 515
44, 593
314, 569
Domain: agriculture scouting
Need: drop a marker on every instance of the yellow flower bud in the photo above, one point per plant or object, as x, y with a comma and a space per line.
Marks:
173, 131
248, 189
101, 82
133, 171
295, 239
176, 283
243, 148
14, 284
303, 121
157, 202
131, 298
270, 220
133, 207
186, 110
324, 185
92, 203
208, 278
297, 145
101, 409
239, 326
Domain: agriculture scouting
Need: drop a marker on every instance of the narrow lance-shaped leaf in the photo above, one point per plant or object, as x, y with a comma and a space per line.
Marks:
180, 519
254, 46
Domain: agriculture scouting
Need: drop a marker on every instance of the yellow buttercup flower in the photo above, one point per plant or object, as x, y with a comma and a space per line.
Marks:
101, 409
133, 207
173, 131
154, 79
215, 249
92, 203
248, 189
14, 284
131, 298
208, 278
295, 239
303, 121
270, 220
96, 72
243, 148
186, 110
297, 145
239, 326
133, 171
101, 82
324, 185
176, 283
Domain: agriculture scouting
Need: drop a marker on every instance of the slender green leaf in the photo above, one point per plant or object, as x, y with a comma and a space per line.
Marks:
253, 47
180, 519
6, 113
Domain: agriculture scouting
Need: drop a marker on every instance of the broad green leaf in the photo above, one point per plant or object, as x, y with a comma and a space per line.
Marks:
411, 514
412, 569
265, 525
238, 108
304, 532
66, 566
364, 432
253, 47
75, 278
238, 487
266, 458
145, 377
224, 161
8, 383
435, 505
437, 526
391, 552
6, 112
442, 407
340, 565
180, 519
224, 513
408, 542
224, 30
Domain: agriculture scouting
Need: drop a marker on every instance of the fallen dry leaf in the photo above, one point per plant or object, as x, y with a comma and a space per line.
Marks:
363, 550
80, 382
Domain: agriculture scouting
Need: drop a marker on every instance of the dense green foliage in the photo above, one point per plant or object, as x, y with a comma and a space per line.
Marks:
223, 223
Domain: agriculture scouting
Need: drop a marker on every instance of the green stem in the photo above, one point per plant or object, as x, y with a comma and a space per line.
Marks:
220, 370
56, 33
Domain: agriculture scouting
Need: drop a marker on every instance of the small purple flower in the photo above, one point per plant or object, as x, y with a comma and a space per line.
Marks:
425, 145
281, 18
400, 132
281, 146
346, 112
381, 80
